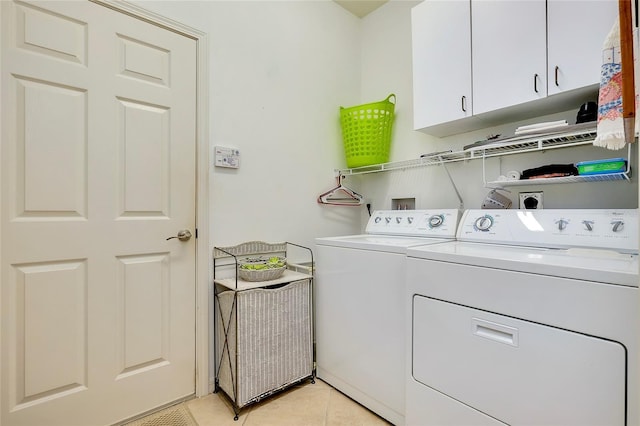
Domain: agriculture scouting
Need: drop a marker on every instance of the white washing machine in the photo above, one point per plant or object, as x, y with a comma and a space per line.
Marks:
529, 318
359, 305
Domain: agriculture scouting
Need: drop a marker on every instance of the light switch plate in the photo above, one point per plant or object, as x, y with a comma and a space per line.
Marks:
227, 157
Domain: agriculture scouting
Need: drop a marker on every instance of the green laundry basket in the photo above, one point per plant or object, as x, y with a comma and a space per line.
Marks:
366, 132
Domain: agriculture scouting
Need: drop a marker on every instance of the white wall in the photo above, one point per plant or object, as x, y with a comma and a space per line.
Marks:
279, 70
386, 67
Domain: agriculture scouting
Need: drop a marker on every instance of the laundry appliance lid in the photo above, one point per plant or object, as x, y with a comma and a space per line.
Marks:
602, 266
386, 243
395, 230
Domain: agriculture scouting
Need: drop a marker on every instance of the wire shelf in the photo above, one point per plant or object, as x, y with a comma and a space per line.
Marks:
432, 160
564, 179
573, 136
539, 143
576, 135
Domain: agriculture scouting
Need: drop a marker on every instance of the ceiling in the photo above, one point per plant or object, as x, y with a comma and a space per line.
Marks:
360, 8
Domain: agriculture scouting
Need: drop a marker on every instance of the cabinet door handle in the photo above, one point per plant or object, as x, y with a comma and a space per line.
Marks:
463, 102
556, 75
535, 83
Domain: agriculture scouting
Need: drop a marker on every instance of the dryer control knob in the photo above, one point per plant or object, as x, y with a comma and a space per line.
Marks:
562, 224
483, 223
588, 225
435, 221
618, 225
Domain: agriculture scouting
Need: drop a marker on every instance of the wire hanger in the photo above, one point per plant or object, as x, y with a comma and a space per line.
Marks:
341, 195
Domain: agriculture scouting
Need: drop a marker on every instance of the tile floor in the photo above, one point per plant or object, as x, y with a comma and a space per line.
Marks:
306, 404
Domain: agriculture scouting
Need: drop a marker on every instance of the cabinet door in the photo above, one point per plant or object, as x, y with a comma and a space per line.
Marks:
441, 62
508, 53
576, 31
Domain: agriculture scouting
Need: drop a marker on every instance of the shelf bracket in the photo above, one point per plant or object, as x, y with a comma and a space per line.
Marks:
455, 188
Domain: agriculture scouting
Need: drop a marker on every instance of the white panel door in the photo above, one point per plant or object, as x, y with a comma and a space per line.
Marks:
97, 170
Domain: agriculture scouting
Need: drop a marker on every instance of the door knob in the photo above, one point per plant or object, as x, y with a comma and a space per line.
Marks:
183, 235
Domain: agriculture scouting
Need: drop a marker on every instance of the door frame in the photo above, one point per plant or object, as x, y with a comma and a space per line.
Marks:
203, 260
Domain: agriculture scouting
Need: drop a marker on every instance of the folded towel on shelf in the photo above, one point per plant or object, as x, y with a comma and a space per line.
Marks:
610, 128
540, 127
551, 170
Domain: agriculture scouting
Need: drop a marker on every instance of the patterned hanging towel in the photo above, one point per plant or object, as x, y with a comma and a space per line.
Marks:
610, 128
636, 80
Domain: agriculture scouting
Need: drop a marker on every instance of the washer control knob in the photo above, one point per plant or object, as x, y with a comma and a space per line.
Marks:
410, 219
387, 219
562, 224
588, 225
436, 220
618, 225
398, 219
483, 223
377, 219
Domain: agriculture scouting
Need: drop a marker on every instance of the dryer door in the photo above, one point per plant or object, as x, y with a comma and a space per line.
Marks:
517, 371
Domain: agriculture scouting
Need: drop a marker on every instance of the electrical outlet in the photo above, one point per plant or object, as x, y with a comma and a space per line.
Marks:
531, 200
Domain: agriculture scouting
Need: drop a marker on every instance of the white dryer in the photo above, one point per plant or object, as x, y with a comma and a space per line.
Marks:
359, 305
529, 318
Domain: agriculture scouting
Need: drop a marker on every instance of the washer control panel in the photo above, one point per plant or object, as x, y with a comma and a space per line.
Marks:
587, 228
420, 223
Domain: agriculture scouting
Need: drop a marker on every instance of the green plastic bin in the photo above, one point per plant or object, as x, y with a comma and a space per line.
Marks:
366, 132
598, 167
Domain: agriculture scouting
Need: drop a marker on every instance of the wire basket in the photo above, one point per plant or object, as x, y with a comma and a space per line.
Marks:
366, 132
260, 274
266, 274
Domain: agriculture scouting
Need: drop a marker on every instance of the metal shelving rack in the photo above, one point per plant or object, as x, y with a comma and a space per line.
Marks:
264, 330
572, 136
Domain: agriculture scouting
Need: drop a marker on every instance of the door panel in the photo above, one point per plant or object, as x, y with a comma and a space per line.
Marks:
144, 337
144, 159
51, 164
143, 61
97, 170
50, 302
46, 32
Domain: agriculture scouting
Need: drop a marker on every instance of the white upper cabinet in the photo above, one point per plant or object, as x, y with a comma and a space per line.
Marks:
441, 62
576, 31
478, 63
509, 53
